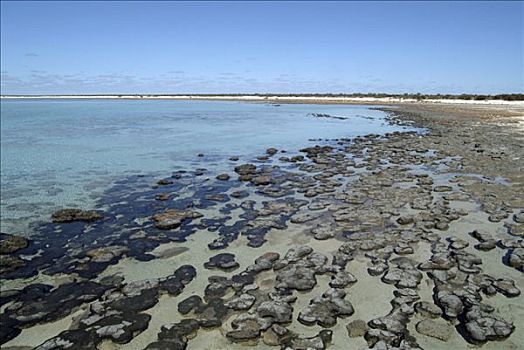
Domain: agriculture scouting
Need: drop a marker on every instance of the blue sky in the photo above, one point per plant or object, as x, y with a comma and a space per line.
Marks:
247, 47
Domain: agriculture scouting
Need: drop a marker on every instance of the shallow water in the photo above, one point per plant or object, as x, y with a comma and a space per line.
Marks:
356, 190
58, 153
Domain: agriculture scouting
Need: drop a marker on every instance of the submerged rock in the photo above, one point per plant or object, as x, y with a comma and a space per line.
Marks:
70, 215
506, 287
483, 324
443, 188
435, 329
264, 262
428, 309
175, 336
325, 309
106, 254
189, 304
278, 311
271, 151
76, 338
164, 182
247, 326
11, 243
242, 302
404, 274
487, 242
515, 258
319, 342
261, 180
223, 261
357, 328
246, 169
223, 177
173, 218
10, 263
450, 303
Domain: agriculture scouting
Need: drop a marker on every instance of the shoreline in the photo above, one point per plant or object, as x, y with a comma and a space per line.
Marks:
399, 212
279, 99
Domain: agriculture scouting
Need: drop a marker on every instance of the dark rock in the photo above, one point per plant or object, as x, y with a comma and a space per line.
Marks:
515, 258
212, 314
76, 338
279, 312
10, 243
487, 241
175, 336
404, 274
264, 262
164, 182
405, 220
223, 177
10, 263
450, 303
162, 197
428, 309
41, 303
247, 326
325, 309
341, 279
223, 261
217, 197
217, 287
70, 215
271, 151
239, 194
189, 304
457, 243
519, 217
175, 283
121, 329
242, 302
106, 254
173, 218
443, 189
246, 169
261, 180
506, 287
482, 324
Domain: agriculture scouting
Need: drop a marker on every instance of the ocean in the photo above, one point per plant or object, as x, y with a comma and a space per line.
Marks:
66, 153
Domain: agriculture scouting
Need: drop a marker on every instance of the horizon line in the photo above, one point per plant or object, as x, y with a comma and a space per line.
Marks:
298, 94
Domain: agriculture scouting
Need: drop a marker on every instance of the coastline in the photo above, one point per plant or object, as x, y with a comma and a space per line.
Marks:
279, 99
411, 202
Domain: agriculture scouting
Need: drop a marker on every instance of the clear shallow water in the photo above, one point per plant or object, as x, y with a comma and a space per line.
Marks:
58, 153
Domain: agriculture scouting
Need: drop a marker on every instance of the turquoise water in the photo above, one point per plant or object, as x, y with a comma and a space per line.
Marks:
58, 153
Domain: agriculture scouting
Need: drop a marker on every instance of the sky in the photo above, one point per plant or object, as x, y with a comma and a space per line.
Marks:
261, 47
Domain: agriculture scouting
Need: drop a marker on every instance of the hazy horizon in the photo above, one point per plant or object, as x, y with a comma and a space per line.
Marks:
297, 94
53, 48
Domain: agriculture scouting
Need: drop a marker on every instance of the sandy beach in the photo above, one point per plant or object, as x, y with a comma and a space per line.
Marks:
412, 240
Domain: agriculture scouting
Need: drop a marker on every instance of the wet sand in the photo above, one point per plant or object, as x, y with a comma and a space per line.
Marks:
389, 221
